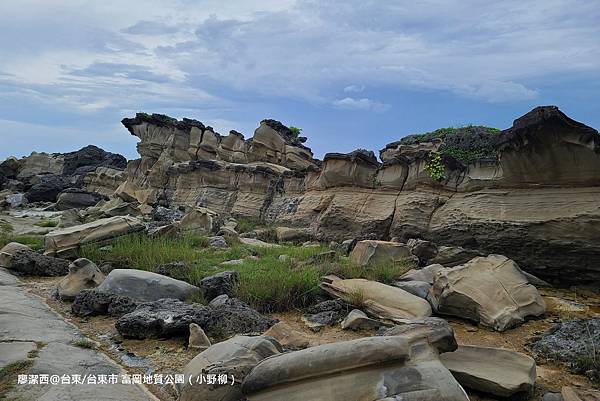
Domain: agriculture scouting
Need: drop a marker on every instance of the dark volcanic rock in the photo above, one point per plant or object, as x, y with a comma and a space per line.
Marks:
235, 317
569, 342
162, 319
74, 198
221, 283
89, 158
171, 318
177, 270
48, 188
93, 302
35, 264
327, 313
168, 215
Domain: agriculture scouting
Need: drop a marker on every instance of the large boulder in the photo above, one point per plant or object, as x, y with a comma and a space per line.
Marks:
233, 316
145, 286
67, 241
292, 234
372, 252
162, 319
35, 264
288, 337
93, 302
491, 291
235, 357
74, 198
494, 371
7, 252
83, 274
377, 300
436, 331
373, 368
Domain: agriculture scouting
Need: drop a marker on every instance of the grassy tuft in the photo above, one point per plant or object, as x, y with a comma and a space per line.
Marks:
85, 343
35, 242
9, 374
47, 223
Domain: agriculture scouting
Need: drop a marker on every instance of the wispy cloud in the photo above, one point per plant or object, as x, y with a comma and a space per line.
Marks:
364, 104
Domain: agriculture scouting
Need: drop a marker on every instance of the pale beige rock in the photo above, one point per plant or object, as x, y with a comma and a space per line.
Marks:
198, 221
67, 240
104, 180
40, 163
357, 320
292, 234
570, 393
378, 300
494, 371
287, 337
7, 252
257, 242
490, 290
198, 340
83, 274
370, 252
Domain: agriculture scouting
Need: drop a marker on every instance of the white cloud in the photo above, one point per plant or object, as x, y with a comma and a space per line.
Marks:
364, 104
354, 89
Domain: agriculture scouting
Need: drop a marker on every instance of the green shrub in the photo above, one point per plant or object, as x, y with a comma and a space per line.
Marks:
435, 167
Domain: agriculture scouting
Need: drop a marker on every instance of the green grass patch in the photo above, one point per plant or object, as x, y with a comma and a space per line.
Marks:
85, 343
35, 242
6, 227
47, 223
245, 225
9, 374
266, 282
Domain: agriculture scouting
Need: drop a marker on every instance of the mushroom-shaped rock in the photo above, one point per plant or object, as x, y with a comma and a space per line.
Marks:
83, 274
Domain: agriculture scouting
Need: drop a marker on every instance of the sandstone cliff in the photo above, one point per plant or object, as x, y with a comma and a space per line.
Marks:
531, 192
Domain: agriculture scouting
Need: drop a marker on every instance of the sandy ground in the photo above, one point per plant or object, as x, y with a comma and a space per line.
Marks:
170, 356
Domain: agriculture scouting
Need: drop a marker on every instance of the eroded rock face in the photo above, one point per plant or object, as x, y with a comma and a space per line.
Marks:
94, 302
83, 274
364, 369
490, 290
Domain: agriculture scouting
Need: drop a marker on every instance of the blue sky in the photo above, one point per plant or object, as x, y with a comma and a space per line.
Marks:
351, 73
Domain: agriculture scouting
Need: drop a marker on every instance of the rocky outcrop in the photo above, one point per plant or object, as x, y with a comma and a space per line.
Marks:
32, 263
83, 274
529, 192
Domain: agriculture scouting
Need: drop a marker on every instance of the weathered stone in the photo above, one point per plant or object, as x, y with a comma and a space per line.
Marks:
68, 240
367, 368
378, 300
292, 234
358, 320
162, 319
219, 284
145, 286
256, 242
217, 242
570, 393
437, 332
236, 356
73, 198
418, 288
47, 189
177, 270
7, 252
286, 336
93, 302
83, 274
35, 264
449, 256
491, 291
198, 340
233, 316
569, 341
369, 252
426, 274
494, 371
199, 221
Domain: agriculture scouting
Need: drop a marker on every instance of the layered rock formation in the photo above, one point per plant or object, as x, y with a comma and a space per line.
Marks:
529, 192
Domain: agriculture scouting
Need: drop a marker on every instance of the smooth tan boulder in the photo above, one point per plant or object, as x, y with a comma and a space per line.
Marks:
236, 356
198, 221
7, 252
371, 252
67, 241
357, 320
491, 291
83, 274
494, 371
292, 234
287, 337
371, 368
378, 300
